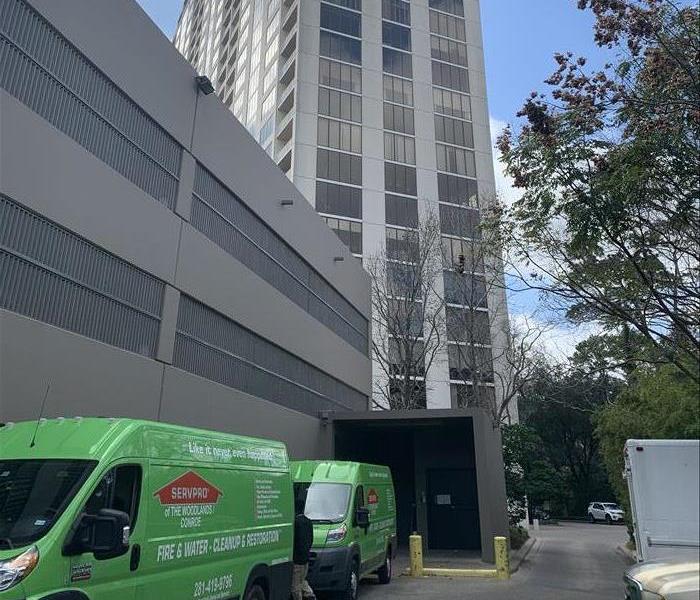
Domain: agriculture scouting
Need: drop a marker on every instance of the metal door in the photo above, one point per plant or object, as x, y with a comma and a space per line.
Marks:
453, 510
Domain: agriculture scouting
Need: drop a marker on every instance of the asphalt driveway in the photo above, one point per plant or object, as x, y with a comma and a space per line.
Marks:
570, 561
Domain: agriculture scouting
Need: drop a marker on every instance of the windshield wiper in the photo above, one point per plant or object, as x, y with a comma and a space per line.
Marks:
324, 521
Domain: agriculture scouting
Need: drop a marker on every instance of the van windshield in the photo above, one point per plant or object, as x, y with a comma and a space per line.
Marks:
33, 494
327, 502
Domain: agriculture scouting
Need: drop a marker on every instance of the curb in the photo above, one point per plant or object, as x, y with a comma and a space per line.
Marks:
523, 552
628, 555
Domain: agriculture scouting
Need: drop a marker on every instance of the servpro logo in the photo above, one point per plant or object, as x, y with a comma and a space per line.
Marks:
189, 489
372, 497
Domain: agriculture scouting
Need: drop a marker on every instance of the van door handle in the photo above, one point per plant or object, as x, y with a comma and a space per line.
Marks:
135, 557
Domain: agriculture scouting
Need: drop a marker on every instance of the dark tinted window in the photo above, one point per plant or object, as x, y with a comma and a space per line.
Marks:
453, 131
400, 179
340, 47
398, 90
349, 232
340, 75
397, 63
448, 26
448, 50
452, 103
465, 325
465, 289
463, 222
34, 494
449, 76
339, 135
397, 10
458, 190
401, 211
467, 361
338, 200
451, 6
398, 118
402, 244
399, 148
340, 105
119, 490
337, 166
354, 4
343, 21
396, 36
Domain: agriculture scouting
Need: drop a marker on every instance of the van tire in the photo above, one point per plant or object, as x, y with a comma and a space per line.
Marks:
352, 582
384, 572
256, 593
591, 519
608, 519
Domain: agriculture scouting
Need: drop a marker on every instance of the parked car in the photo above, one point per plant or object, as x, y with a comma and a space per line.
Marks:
663, 581
605, 511
111, 509
353, 509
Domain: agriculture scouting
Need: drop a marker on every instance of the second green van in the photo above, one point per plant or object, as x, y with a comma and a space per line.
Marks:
353, 509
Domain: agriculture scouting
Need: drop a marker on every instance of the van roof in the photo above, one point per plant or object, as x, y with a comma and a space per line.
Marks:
336, 471
105, 439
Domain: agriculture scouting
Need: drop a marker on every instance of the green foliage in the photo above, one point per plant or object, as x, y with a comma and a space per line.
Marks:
558, 407
609, 221
518, 536
528, 472
658, 403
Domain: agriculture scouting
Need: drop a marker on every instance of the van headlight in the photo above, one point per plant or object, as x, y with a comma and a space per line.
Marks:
14, 570
337, 535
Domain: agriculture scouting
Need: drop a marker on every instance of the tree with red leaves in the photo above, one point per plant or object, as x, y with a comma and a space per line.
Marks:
608, 224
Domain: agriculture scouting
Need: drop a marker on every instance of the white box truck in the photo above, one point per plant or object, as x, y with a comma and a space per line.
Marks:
663, 477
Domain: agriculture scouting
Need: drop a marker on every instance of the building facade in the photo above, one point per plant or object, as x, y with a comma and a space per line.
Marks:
377, 111
154, 262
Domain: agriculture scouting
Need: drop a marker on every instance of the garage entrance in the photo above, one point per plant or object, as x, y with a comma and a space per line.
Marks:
434, 466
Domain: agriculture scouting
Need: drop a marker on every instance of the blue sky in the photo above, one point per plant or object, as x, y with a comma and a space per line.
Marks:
520, 38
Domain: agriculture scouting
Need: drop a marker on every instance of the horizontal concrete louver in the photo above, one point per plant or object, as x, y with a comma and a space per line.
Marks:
49, 274
44, 71
217, 348
228, 222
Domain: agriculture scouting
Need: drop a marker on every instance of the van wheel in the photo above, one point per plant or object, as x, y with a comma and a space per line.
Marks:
591, 518
384, 572
352, 583
255, 593
608, 519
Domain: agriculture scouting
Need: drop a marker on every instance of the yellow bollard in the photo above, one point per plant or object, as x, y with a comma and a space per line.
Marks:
416, 555
500, 550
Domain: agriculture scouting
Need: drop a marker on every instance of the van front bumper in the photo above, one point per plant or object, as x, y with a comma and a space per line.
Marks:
328, 569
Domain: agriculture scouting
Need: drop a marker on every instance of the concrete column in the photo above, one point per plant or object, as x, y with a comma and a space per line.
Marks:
491, 484
168, 324
183, 203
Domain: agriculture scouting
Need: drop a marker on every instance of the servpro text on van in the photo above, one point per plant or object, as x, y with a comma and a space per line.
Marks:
353, 509
115, 509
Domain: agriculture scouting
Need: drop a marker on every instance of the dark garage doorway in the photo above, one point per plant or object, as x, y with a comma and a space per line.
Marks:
453, 510
432, 461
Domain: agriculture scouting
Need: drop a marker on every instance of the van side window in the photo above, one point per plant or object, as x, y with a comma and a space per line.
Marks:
119, 489
359, 497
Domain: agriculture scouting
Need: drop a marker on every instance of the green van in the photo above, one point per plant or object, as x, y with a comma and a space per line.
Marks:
353, 510
116, 509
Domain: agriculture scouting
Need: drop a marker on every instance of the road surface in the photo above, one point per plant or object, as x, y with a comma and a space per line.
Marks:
570, 561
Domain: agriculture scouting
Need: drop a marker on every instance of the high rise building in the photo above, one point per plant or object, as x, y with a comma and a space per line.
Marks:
377, 111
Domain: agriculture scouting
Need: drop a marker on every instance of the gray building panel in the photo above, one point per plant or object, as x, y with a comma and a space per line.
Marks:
89, 244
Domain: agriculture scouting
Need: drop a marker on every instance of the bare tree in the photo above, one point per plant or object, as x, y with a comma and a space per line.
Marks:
407, 314
492, 359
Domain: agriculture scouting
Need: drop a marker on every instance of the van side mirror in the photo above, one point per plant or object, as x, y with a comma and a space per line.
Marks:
362, 517
105, 534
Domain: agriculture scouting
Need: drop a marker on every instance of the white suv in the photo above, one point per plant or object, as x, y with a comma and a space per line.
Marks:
605, 511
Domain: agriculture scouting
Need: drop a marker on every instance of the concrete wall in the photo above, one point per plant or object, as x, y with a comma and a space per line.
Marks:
48, 172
